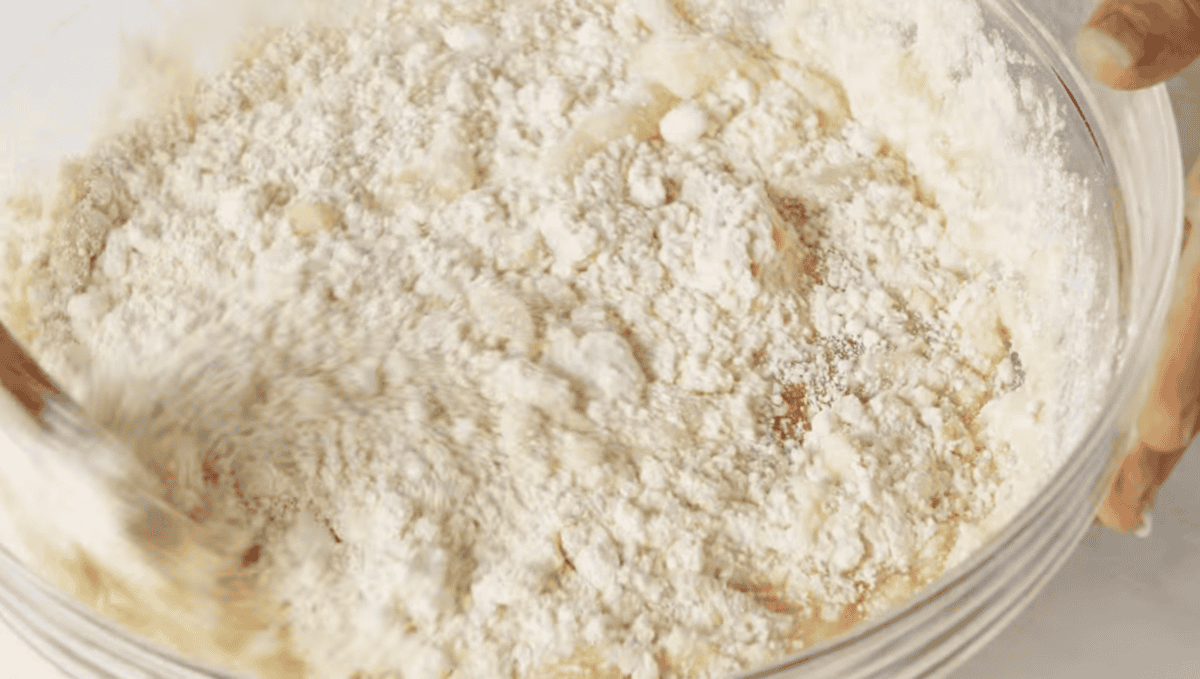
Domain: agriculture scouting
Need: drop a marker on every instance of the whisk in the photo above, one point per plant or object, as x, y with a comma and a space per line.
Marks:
86, 489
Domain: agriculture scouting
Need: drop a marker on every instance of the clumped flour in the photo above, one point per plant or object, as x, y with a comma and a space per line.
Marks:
567, 338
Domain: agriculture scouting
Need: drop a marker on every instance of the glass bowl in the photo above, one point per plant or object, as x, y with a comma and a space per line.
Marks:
1125, 143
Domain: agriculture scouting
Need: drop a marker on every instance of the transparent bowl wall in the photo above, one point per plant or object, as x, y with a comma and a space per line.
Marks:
1125, 142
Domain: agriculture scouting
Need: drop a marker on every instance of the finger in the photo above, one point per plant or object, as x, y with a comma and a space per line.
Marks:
1130, 44
1169, 419
1191, 205
1135, 486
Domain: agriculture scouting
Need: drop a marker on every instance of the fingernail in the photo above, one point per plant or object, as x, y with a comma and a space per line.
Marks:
1147, 525
1102, 54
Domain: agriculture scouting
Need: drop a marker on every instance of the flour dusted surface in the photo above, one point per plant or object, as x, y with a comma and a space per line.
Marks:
571, 338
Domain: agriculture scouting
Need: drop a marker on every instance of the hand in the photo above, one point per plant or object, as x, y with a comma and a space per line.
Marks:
1130, 44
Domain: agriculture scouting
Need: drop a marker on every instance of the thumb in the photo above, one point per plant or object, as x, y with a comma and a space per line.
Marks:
1130, 44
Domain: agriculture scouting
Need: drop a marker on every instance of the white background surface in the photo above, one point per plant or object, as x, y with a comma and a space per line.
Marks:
1122, 608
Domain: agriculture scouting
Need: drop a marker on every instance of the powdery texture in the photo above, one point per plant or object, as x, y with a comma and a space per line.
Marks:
580, 339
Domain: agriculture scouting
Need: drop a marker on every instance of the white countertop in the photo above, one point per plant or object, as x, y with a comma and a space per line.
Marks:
1122, 608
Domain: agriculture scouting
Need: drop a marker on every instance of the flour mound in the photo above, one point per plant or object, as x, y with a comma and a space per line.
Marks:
563, 337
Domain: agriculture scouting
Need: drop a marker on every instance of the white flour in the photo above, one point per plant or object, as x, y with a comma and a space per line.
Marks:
570, 338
